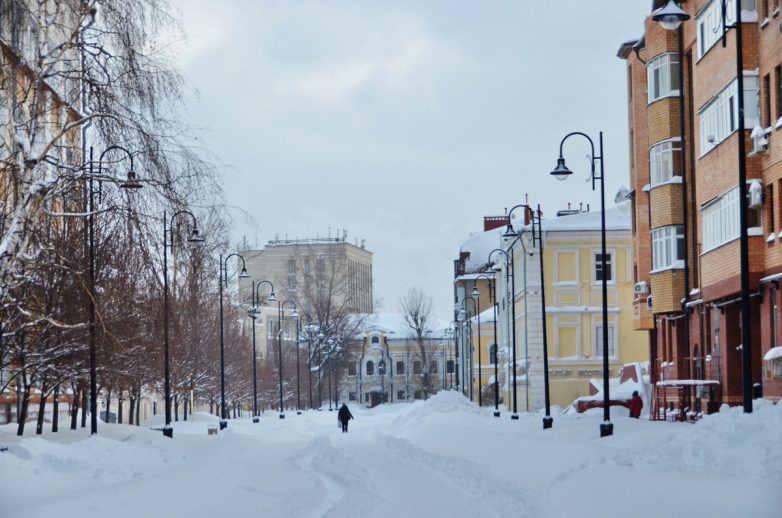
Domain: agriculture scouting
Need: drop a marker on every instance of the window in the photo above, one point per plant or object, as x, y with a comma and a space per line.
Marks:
433, 367
766, 95
418, 394
770, 218
599, 267
351, 369
709, 21
320, 273
351, 396
668, 247
370, 368
663, 76
375, 340
778, 89
493, 354
599, 341
400, 394
721, 220
717, 120
449, 367
417, 367
665, 161
400, 367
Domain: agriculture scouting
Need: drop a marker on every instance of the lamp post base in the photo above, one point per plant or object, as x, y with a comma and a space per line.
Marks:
168, 432
514, 416
256, 419
282, 416
548, 422
223, 424
496, 413
606, 429
298, 412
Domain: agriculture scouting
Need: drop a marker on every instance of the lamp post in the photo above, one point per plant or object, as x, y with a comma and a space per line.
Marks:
493, 299
561, 172
295, 316
131, 184
381, 369
330, 343
298, 371
477, 313
224, 278
310, 328
168, 241
510, 273
548, 421
670, 17
256, 299
321, 336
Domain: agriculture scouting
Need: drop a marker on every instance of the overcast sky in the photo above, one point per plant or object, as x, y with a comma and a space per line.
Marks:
405, 122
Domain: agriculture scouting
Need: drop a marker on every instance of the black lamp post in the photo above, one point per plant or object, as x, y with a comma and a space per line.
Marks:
510, 273
168, 241
670, 17
295, 316
321, 336
466, 317
330, 343
381, 369
256, 299
561, 172
493, 299
310, 328
132, 184
224, 278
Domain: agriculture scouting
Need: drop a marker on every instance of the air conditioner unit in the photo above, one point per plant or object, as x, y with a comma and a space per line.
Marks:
641, 288
759, 141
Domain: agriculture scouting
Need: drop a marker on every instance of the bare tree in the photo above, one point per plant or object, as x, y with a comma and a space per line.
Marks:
416, 308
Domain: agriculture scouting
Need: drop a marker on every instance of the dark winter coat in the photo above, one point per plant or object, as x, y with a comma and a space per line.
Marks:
344, 414
636, 404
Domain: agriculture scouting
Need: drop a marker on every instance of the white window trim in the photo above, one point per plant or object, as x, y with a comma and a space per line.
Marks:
711, 238
714, 117
662, 62
713, 29
559, 325
676, 262
612, 334
669, 143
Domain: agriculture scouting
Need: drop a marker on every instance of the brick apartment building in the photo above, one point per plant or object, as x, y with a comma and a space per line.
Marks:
684, 163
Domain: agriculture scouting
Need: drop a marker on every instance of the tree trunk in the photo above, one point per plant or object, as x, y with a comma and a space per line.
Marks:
138, 405
132, 407
41, 408
119, 409
22, 417
75, 407
184, 407
176, 407
108, 406
84, 407
56, 409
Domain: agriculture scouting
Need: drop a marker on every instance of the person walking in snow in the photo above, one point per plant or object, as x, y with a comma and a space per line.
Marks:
636, 404
344, 416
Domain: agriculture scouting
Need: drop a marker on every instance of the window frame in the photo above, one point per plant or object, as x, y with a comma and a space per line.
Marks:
666, 150
663, 69
609, 263
668, 244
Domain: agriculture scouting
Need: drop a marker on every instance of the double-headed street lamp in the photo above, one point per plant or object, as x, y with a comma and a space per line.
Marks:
295, 316
168, 241
561, 172
510, 273
253, 312
131, 184
224, 278
462, 317
670, 17
310, 328
548, 421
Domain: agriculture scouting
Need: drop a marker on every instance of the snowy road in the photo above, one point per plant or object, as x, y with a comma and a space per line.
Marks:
444, 457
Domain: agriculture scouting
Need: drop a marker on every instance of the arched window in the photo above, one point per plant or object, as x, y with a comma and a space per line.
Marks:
370, 368
433, 367
400, 367
493, 354
375, 340
417, 367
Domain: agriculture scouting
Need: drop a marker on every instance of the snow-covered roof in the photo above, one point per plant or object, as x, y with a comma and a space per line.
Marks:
773, 353
617, 218
480, 246
395, 326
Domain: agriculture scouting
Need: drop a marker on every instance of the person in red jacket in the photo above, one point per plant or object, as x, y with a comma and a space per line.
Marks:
636, 404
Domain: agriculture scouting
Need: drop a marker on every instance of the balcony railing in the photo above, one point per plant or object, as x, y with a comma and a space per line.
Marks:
689, 368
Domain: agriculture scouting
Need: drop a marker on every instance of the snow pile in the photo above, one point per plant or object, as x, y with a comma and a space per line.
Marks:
444, 402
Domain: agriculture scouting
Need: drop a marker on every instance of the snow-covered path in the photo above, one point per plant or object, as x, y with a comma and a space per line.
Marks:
444, 457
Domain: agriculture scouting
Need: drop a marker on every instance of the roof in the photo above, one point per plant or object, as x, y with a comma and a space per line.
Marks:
617, 218
479, 246
395, 326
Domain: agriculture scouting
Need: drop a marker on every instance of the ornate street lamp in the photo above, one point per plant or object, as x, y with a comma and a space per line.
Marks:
253, 313
224, 279
295, 316
509, 273
168, 241
493, 299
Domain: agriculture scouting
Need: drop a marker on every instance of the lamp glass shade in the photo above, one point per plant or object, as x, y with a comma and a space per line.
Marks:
561, 172
509, 232
244, 274
461, 316
295, 315
271, 297
670, 16
195, 237
475, 292
131, 182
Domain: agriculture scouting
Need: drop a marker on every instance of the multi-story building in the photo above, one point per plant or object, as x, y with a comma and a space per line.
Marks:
313, 272
573, 275
684, 169
389, 366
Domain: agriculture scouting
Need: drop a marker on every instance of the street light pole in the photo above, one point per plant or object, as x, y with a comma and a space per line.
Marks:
194, 238
131, 183
224, 277
561, 172
670, 17
295, 316
493, 299
509, 272
330, 343
298, 373
256, 300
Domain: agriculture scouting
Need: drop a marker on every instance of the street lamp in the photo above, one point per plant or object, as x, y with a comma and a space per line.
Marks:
493, 299
330, 343
548, 421
561, 172
510, 273
321, 336
670, 17
295, 316
477, 313
310, 328
256, 299
381, 369
168, 241
132, 184
224, 278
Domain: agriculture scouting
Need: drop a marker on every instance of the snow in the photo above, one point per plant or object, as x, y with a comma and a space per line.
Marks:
616, 219
773, 353
442, 457
480, 246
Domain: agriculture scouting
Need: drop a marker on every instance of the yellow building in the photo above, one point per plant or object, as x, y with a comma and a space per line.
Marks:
573, 276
